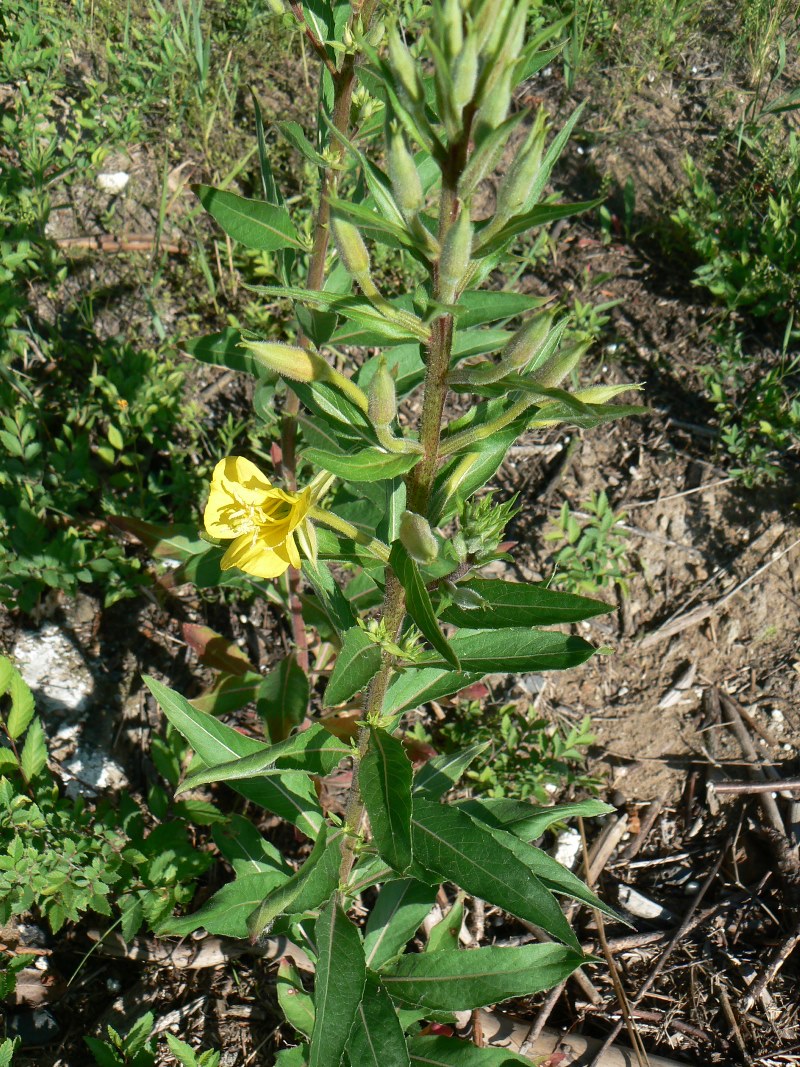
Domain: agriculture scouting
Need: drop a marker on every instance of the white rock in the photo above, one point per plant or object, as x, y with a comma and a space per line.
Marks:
567, 848
113, 182
91, 771
56, 671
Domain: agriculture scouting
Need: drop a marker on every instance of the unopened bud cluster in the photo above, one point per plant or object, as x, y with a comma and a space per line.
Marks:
482, 525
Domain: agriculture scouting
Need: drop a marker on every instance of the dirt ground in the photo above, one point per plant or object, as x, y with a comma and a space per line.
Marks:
713, 608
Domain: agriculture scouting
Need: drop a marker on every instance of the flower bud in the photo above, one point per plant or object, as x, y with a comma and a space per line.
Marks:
288, 361
350, 246
601, 394
555, 370
527, 344
453, 27
417, 537
518, 181
464, 598
382, 396
455, 259
465, 73
404, 67
494, 108
403, 173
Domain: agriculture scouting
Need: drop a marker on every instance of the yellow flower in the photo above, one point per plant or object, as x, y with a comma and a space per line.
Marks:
262, 519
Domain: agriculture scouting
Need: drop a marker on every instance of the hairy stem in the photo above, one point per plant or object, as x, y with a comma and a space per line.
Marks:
419, 485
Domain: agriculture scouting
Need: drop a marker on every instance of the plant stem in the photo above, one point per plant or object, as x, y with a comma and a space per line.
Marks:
419, 485
378, 548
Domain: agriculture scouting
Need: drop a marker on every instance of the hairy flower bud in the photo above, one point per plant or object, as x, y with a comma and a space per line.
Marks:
518, 181
555, 369
601, 394
288, 361
382, 396
452, 25
403, 173
465, 73
464, 598
350, 246
529, 343
404, 67
417, 537
455, 258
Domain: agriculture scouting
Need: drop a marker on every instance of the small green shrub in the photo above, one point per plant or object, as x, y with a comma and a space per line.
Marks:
61, 858
522, 756
595, 554
758, 408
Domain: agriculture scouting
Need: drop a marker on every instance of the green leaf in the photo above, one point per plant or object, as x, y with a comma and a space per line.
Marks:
22, 707
230, 692
269, 189
224, 350
525, 820
519, 604
414, 687
441, 773
226, 913
418, 602
356, 309
331, 598
458, 479
33, 757
459, 981
293, 132
338, 985
292, 795
444, 936
368, 465
552, 874
7, 672
292, 1057
358, 660
283, 698
377, 1038
399, 911
313, 751
436, 1051
307, 889
529, 220
481, 861
479, 306
254, 223
296, 1004
384, 777
512, 651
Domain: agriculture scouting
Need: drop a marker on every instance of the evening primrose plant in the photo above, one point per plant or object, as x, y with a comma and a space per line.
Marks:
374, 529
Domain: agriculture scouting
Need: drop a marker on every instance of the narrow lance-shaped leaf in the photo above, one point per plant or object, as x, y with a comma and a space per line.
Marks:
418, 602
416, 686
525, 820
398, 913
290, 795
459, 981
514, 651
283, 698
338, 985
253, 223
358, 660
226, 912
296, 1004
368, 465
518, 604
384, 778
441, 773
377, 1039
307, 888
479, 860
313, 751
438, 1051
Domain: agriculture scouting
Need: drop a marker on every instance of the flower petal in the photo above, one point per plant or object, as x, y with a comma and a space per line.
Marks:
252, 556
242, 479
